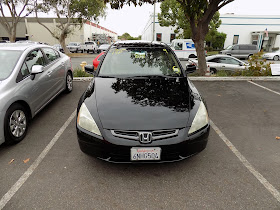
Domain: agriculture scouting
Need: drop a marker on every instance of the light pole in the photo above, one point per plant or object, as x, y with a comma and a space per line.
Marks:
154, 19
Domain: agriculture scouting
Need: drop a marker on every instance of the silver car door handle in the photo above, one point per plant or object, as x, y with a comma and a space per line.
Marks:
49, 73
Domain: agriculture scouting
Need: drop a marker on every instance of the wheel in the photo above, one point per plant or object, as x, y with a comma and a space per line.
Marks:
15, 124
276, 58
213, 71
87, 51
192, 56
69, 83
249, 57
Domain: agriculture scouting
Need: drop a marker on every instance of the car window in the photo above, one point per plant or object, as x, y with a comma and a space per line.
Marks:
100, 57
8, 60
50, 54
244, 47
178, 46
236, 47
229, 61
252, 47
139, 61
215, 60
33, 58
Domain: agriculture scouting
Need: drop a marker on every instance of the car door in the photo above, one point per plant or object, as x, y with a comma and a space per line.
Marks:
230, 64
55, 70
34, 87
215, 63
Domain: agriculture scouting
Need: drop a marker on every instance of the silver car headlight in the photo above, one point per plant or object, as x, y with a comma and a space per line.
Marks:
86, 121
201, 119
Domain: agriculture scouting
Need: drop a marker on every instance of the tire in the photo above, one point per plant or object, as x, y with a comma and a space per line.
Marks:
192, 56
69, 83
276, 58
213, 71
16, 124
249, 57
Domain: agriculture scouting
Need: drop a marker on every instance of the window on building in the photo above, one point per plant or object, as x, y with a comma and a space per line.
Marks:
235, 39
172, 36
159, 37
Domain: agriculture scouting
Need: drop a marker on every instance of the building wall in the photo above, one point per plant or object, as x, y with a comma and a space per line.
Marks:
147, 33
31, 29
245, 25
39, 33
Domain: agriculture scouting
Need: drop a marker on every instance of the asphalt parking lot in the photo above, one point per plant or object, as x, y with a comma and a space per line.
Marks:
239, 169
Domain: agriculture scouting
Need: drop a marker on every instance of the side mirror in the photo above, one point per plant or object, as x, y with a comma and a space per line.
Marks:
190, 69
36, 69
89, 69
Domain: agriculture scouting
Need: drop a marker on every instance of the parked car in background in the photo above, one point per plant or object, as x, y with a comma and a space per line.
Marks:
58, 47
103, 48
97, 60
240, 50
74, 47
272, 55
223, 62
27, 42
31, 75
89, 46
141, 107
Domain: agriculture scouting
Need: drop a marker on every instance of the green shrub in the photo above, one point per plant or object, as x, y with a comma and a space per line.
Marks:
78, 72
223, 73
257, 67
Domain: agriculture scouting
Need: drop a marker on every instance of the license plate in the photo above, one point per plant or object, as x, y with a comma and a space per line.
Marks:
145, 153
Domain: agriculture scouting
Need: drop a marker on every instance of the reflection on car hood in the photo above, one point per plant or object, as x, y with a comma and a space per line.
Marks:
143, 104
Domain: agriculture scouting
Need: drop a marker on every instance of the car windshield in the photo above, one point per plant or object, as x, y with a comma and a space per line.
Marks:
228, 47
8, 60
133, 62
73, 44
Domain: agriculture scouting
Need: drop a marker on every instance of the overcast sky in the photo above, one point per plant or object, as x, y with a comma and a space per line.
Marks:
133, 19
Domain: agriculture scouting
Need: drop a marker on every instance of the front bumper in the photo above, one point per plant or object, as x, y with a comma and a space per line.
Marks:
102, 149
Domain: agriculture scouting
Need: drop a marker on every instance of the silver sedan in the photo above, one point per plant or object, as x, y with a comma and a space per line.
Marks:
31, 75
223, 62
272, 55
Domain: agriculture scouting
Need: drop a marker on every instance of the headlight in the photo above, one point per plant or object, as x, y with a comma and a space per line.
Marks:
86, 121
201, 118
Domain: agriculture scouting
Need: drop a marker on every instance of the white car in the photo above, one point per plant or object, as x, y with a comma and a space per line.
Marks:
272, 55
223, 62
74, 47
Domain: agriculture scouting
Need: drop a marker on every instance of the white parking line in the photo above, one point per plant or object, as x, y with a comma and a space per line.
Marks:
264, 88
246, 163
5, 199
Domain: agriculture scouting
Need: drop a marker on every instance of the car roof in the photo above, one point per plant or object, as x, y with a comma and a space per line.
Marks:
219, 56
20, 46
140, 43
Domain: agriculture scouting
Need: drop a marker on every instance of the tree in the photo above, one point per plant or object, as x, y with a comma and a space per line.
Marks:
70, 14
198, 13
10, 24
126, 36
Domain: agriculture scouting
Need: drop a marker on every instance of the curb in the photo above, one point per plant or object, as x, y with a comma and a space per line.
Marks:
274, 78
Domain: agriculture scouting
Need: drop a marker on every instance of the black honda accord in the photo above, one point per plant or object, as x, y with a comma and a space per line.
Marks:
141, 107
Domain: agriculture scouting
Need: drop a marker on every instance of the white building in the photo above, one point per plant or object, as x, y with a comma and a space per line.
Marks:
240, 29
162, 34
245, 29
30, 29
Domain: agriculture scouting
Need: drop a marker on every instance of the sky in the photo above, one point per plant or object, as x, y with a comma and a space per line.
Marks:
134, 19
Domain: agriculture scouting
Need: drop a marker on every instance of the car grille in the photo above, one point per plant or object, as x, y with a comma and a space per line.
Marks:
155, 135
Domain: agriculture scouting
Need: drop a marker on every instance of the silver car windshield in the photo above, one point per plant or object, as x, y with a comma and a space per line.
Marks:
140, 62
8, 60
229, 47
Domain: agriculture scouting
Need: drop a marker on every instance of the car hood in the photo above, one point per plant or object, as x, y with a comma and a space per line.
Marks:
142, 104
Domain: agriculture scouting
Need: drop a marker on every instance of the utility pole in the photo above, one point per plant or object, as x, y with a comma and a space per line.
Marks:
154, 19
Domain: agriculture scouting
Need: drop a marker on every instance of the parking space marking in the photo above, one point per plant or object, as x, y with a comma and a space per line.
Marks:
247, 164
5, 199
265, 88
